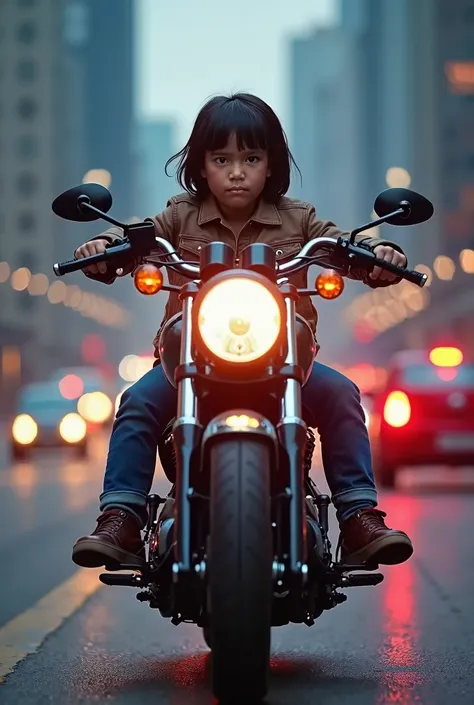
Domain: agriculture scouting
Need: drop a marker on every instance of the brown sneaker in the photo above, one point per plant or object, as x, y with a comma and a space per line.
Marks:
116, 540
366, 539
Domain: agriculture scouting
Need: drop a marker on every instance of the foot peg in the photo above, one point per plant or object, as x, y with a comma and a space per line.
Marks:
345, 568
361, 580
127, 580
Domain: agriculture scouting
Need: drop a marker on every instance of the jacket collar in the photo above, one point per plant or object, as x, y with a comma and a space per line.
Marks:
266, 213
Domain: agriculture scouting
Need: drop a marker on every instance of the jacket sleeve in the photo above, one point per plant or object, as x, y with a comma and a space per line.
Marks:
165, 226
315, 228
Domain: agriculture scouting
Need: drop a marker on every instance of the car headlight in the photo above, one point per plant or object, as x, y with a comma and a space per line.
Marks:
95, 407
25, 429
239, 318
72, 428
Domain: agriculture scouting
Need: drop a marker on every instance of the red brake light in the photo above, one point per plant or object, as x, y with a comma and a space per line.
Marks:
397, 409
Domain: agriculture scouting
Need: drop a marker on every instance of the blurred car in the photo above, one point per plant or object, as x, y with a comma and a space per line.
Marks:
93, 394
425, 413
45, 419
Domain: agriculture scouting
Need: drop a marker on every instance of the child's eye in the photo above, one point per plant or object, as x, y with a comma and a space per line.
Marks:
222, 160
254, 158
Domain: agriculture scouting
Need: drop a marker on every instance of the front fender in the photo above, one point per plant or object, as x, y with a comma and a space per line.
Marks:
241, 421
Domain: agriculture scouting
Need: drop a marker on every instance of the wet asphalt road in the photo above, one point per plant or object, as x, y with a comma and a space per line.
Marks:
408, 641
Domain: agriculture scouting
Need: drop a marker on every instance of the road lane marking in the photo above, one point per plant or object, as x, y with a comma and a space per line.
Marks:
24, 634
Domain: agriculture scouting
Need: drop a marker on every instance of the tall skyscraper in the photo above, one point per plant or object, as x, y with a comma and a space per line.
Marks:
66, 107
155, 142
417, 77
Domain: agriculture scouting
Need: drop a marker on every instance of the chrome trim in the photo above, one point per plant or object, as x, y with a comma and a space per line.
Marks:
189, 270
187, 400
291, 399
307, 250
218, 425
193, 270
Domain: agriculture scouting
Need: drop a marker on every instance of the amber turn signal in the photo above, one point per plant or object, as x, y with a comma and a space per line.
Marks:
329, 284
148, 279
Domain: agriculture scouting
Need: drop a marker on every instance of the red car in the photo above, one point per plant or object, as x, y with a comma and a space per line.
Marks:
425, 413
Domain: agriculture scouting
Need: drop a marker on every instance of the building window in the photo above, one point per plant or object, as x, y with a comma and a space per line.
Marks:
27, 222
27, 32
27, 184
27, 108
27, 70
27, 146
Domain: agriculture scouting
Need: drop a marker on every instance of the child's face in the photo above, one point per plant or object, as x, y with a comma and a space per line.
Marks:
236, 179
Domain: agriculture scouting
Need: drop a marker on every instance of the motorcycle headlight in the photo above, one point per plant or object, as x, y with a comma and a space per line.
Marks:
239, 318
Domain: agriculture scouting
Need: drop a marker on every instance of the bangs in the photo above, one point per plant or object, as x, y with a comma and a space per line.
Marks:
237, 117
255, 126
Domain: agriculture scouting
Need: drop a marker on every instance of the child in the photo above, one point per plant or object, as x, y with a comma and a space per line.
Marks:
235, 169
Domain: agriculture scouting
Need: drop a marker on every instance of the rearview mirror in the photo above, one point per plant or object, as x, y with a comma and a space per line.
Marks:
417, 208
68, 204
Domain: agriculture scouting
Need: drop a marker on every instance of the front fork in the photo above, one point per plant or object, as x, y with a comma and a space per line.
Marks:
292, 430
187, 433
292, 434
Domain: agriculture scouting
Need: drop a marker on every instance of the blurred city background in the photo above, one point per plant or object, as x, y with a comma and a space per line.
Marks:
372, 93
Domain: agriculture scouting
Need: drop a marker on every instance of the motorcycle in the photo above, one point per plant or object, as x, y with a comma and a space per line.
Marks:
247, 547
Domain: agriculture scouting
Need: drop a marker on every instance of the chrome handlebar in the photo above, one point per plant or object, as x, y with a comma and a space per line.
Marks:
192, 270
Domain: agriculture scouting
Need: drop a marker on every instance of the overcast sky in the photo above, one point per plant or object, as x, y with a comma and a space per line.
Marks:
191, 49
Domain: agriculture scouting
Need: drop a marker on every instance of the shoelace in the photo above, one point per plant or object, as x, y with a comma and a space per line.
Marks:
370, 520
109, 524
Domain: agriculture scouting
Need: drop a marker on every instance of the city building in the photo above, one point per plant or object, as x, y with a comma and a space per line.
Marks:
155, 144
417, 75
386, 98
325, 140
66, 74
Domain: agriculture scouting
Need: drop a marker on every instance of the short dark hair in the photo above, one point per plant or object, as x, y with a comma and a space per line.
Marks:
256, 127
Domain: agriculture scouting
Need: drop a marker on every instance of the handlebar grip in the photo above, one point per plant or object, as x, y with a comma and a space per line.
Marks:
409, 275
75, 265
418, 278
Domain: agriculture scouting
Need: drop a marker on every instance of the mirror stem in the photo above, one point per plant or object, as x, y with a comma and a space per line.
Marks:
404, 209
83, 203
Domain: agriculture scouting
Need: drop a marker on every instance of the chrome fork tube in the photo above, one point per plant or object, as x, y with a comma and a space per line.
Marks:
292, 436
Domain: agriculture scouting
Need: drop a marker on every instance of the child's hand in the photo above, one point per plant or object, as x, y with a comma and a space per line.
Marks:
388, 254
94, 247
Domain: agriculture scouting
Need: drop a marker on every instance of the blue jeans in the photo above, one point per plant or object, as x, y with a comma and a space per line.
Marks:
331, 404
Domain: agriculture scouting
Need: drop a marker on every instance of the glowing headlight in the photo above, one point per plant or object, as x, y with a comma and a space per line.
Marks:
239, 320
25, 429
72, 428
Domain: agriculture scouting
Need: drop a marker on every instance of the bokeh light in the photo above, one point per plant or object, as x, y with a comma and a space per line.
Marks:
20, 279
397, 177
466, 259
98, 176
444, 267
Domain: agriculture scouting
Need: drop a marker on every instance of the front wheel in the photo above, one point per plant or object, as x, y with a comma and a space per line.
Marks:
240, 569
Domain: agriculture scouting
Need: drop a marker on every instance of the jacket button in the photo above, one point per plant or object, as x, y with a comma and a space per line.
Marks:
199, 247
279, 252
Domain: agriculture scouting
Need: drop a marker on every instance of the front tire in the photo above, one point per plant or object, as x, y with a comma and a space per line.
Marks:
240, 568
